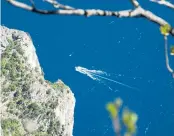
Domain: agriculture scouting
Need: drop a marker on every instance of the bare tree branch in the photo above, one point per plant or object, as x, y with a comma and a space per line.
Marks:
166, 56
135, 3
32, 3
67, 10
58, 5
80, 12
165, 3
117, 126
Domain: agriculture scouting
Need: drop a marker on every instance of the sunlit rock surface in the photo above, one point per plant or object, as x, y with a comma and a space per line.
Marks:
31, 105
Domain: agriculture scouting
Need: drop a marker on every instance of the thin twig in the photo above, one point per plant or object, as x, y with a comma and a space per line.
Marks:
32, 3
80, 12
135, 3
58, 5
166, 56
67, 10
164, 2
117, 126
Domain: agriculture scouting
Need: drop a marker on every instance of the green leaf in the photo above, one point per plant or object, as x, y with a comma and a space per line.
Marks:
118, 102
165, 29
112, 110
172, 50
129, 120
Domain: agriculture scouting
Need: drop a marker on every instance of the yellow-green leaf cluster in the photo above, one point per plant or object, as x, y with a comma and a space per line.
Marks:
165, 29
113, 107
129, 119
11, 127
172, 50
118, 102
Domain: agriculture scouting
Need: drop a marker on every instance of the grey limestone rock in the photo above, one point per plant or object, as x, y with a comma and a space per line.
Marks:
31, 105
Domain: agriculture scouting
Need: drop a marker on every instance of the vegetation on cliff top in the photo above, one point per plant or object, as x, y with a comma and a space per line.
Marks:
17, 82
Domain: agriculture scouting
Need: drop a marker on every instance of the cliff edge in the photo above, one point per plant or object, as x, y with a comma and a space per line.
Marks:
31, 105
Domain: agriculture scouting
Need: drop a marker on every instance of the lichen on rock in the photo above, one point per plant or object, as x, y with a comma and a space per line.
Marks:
31, 105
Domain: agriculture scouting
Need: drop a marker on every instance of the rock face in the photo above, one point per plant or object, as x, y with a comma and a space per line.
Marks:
31, 105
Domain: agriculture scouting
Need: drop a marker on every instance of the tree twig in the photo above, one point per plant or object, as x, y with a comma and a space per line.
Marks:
135, 3
32, 3
166, 57
58, 5
164, 2
67, 10
80, 12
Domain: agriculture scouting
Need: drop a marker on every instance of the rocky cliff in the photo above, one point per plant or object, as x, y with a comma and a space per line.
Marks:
31, 105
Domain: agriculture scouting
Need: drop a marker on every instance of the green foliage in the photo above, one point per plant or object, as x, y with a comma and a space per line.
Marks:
53, 127
40, 134
55, 85
165, 29
14, 55
9, 48
11, 61
13, 73
33, 106
113, 110
3, 65
3, 62
11, 105
12, 87
172, 50
129, 118
4, 72
19, 50
11, 43
25, 87
11, 127
34, 110
8, 66
18, 78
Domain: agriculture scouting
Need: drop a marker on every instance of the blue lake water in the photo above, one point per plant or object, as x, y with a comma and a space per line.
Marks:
130, 50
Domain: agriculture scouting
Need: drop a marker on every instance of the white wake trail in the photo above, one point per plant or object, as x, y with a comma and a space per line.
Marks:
116, 82
97, 75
